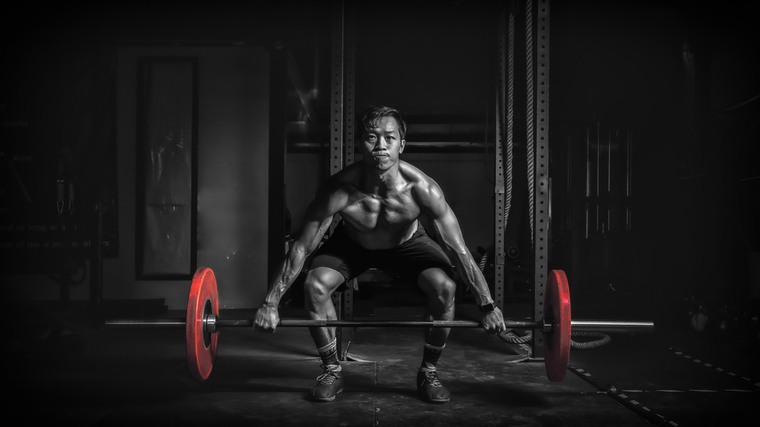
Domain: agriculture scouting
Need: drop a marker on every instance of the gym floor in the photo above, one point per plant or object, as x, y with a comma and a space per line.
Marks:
76, 374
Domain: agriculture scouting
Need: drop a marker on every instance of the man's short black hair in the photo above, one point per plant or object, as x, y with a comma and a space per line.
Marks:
374, 113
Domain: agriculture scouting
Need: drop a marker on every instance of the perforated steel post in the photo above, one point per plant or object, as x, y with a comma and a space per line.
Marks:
336, 123
350, 82
349, 79
336, 92
501, 212
541, 144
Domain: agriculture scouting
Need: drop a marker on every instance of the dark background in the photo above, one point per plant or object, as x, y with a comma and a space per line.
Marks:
695, 175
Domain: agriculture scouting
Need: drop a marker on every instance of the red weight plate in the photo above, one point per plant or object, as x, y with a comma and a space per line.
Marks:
557, 343
201, 347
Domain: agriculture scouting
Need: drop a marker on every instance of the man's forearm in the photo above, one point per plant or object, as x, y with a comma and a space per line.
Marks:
473, 278
285, 277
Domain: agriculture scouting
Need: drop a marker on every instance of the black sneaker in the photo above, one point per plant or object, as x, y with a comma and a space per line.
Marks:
429, 387
328, 384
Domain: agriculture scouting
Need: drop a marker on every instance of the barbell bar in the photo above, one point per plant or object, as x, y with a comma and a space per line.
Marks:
202, 323
212, 323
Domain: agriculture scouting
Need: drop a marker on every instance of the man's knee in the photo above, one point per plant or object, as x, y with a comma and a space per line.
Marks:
448, 290
437, 284
321, 283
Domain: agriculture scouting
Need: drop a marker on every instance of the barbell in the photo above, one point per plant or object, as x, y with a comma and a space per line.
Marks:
202, 323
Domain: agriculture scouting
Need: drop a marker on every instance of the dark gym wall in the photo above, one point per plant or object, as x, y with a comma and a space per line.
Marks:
682, 79
57, 158
618, 67
233, 138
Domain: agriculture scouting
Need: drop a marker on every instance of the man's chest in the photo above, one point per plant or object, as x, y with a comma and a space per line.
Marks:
371, 212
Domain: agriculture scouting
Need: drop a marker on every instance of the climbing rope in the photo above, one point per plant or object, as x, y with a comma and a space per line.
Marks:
512, 338
483, 262
529, 110
510, 116
585, 345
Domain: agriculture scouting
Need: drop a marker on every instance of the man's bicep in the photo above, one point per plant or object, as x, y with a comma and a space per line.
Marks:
448, 232
441, 217
445, 223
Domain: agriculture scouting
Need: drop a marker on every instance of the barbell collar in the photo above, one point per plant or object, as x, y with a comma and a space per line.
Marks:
210, 323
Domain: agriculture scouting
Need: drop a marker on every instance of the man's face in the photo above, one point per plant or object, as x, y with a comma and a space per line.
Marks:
382, 144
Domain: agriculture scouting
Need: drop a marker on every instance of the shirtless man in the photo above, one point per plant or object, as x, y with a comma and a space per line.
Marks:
379, 200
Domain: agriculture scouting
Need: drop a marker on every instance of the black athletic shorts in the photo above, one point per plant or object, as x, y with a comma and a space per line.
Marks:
407, 260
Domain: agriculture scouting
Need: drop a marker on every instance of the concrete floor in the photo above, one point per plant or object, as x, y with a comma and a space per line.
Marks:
89, 376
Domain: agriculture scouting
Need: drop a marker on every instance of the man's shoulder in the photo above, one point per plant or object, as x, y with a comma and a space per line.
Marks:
348, 176
342, 182
423, 185
414, 174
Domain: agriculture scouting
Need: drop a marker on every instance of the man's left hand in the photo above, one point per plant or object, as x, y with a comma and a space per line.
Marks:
493, 322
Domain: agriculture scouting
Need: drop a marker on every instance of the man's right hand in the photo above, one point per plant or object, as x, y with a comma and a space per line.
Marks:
267, 319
